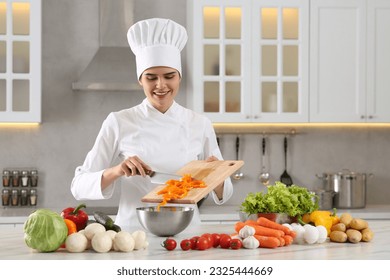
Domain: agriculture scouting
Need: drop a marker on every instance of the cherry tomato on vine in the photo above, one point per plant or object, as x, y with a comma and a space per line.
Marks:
185, 244
169, 244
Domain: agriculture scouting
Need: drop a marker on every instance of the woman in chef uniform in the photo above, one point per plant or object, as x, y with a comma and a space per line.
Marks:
158, 134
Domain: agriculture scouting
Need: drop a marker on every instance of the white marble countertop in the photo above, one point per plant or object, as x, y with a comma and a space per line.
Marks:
12, 247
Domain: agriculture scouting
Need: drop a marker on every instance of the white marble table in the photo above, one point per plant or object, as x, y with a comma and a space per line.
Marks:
12, 247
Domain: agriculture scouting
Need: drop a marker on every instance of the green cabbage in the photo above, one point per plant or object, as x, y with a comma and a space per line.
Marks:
45, 230
294, 201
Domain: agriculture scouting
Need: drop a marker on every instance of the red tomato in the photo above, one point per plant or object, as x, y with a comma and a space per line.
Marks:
185, 244
209, 238
202, 243
169, 244
193, 242
235, 244
216, 239
225, 240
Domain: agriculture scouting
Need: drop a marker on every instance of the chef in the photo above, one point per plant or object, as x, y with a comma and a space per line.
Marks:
158, 134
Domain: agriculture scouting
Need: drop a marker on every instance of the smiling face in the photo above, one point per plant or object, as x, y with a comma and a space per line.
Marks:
160, 84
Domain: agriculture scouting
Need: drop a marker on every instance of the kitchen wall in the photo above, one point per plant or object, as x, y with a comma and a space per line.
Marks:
71, 120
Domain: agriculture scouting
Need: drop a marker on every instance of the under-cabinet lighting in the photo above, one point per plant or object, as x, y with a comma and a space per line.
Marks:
291, 128
18, 125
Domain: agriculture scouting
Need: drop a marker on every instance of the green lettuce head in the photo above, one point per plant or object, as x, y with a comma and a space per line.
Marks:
45, 230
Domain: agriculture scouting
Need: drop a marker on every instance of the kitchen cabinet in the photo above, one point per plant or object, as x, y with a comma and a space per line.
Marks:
249, 60
349, 59
20, 61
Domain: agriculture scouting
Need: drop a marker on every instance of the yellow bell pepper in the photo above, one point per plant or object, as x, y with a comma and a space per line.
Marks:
323, 218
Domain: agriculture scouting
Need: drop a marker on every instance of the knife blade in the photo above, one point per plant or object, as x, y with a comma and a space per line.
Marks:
161, 177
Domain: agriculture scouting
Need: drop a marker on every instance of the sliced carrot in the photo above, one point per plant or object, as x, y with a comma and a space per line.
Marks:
176, 189
288, 239
267, 241
271, 224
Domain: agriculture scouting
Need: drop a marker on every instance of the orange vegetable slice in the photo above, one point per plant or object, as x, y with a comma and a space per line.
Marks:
176, 189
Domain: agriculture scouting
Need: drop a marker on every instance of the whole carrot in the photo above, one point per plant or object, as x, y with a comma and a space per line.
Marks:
251, 222
238, 225
265, 231
292, 233
288, 239
282, 241
267, 241
271, 224
260, 230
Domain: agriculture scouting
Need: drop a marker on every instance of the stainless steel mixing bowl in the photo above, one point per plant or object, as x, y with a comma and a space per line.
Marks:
168, 221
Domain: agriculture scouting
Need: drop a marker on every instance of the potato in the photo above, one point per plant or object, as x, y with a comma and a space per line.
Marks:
367, 235
346, 219
358, 224
338, 227
354, 236
338, 236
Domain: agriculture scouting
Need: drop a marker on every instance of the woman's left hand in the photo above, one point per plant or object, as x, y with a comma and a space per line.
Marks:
211, 158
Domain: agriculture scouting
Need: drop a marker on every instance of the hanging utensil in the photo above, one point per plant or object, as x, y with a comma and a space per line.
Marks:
285, 178
239, 174
264, 176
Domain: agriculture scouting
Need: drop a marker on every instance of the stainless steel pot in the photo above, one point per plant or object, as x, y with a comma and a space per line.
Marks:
349, 188
325, 199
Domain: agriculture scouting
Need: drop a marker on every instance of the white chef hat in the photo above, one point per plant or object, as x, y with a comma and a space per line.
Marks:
157, 42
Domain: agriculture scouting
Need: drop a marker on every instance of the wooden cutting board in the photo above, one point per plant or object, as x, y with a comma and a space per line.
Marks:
212, 173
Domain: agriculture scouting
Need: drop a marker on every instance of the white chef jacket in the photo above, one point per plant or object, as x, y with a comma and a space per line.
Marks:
165, 141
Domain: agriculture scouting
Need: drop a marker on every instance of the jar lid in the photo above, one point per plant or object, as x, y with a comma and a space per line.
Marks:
6, 172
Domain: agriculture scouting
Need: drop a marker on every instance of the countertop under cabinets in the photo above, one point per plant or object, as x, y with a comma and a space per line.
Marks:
208, 214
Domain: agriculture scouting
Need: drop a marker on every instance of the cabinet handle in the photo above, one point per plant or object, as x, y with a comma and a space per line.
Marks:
256, 116
362, 117
248, 117
370, 116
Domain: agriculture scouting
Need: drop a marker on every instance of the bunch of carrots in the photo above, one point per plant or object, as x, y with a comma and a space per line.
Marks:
269, 233
175, 189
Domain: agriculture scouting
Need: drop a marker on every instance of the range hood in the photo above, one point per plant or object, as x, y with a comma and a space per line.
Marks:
113, 67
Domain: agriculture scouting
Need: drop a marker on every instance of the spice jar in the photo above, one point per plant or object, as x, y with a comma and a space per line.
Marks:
6, 178
33, 197
15, 178
24, 178
34, 178
15, 197
5, 197
23, 197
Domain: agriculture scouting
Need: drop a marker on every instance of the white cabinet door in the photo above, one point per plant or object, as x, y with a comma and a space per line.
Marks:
20, 61
378, 61
249, 60
280, 32
337, 61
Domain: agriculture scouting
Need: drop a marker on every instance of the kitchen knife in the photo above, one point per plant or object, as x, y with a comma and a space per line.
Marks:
160, 177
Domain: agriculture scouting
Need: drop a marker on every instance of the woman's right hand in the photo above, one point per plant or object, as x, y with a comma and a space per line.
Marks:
134, 166
129, 167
